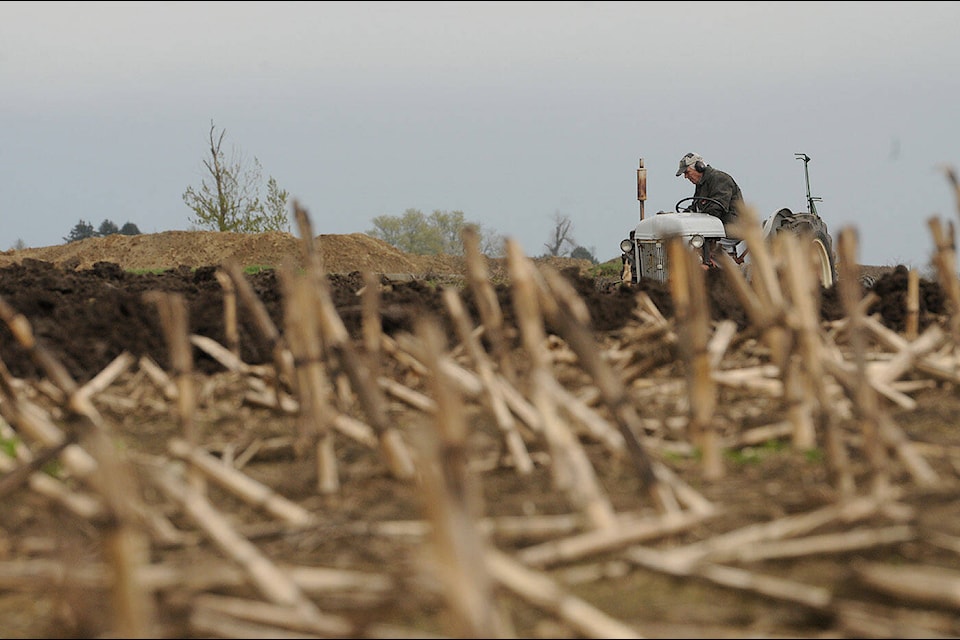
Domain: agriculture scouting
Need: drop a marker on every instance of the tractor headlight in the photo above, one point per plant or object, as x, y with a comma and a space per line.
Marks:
696, 241
626, 245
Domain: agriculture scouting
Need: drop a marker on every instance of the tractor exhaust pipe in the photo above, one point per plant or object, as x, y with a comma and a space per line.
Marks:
641, 186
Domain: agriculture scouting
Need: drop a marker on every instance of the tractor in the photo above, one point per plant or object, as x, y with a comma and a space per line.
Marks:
645, 251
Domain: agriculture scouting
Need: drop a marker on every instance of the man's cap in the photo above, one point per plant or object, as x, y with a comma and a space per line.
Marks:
688, 161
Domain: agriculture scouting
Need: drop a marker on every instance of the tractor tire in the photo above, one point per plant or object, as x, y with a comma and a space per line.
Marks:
812, 227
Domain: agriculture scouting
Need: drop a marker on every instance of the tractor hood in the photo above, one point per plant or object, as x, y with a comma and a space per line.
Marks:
684, 223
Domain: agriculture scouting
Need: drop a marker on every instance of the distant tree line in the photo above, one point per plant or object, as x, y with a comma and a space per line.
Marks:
84, 229
440, 232
230, 198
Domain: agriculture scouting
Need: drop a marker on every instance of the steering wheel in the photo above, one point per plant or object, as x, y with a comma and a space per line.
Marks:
713, 200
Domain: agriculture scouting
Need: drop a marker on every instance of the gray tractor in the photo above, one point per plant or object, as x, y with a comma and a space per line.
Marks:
645, 251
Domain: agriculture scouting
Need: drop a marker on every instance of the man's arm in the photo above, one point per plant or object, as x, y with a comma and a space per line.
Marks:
720, 189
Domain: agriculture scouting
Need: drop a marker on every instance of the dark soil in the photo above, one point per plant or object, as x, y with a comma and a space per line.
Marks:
88, 317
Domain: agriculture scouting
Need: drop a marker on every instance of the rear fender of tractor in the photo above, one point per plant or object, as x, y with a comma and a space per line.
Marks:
811, 228
774, 223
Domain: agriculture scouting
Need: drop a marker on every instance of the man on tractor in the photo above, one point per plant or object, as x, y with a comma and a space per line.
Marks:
716, 193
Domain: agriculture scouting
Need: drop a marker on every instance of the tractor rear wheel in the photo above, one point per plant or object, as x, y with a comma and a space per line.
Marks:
814, 229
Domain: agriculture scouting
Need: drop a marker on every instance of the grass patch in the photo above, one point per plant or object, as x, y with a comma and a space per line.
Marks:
251, 270
608, 269
760, 453
756, 454
9, 446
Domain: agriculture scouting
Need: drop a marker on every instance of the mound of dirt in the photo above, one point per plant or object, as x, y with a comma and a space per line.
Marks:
171, 249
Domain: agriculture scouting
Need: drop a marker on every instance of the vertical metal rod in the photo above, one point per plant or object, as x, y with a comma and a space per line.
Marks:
641, 186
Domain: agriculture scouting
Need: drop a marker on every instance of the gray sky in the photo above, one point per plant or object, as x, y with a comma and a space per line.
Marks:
511, 112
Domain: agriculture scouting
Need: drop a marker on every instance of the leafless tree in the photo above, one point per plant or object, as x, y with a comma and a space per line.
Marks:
561, 241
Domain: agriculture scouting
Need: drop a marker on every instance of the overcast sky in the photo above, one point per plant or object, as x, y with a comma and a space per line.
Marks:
511, 112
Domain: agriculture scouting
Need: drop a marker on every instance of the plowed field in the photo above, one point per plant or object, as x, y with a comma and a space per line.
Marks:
453, 475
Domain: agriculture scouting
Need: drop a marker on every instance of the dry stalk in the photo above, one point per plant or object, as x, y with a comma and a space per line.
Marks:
846, 373
760, 380
568, 312
347, 425
108, 375
340, 350
767, 306
273, 583
22, 332
123, 542
908, 354
764, 273
34, 423
693, 317
723, 334
913, 304
855, 619
28, 471
491, 316
31, 421
372, 324
955, 184
544, 593
219, 353
411, 397
761, 315
894, 437
844, 542
803, 369
172, 310
864, 398
452, 500
725, 545
230, 329
391, 347
484, 367
467, 382
258, 617
572, 471
282, 359
244, 487
595, 424
932, 585
159, 377
630, 531
313, 387
945, 259
817, 598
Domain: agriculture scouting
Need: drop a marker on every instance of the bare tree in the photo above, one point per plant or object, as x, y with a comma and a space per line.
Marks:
560, 236
231, 202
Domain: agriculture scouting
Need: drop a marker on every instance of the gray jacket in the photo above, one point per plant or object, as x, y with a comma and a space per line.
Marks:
722, 187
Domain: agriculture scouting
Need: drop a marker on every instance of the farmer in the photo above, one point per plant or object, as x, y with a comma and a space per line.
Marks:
721, 188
